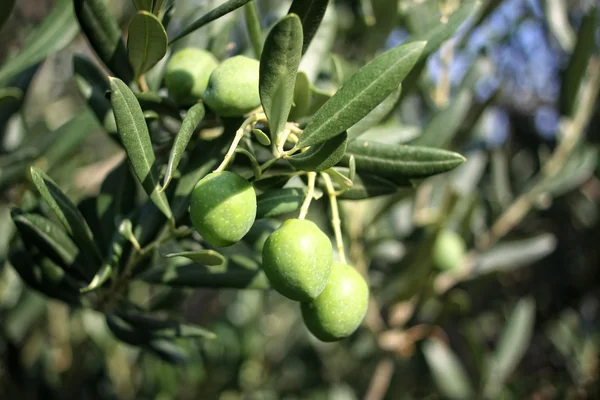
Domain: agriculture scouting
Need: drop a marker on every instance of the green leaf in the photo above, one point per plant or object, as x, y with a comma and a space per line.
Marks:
145, 5
193, 117
576, 170
104, 34
205, 257
364, 186
448, 372
68, 138
261, 137
278, 68
158, 4
275, 181
254, 29
279, 201
342, 69
575, 71
136, 140
146, 42
302, 97
5, 9
513, 344
68, 215
212, 15
257, 171
400, 162
375, 116
361, 93
321, 156
112, 261
311, 14
164, 328
55, 32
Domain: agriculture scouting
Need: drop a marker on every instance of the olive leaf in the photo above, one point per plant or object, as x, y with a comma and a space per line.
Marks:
5, 9
256, 170
193, 117
55, 32
104, 35
143, 4
68, 215
448, 372
279, 201
361, 93
216, 13
136, 140
311, 14
112, 260
302, 97
151, 101
364, 185
275, 181
253, 27
205, 257
321, 156
146, 42
261, 137
278, 68
164, 328
400, 162
375, 116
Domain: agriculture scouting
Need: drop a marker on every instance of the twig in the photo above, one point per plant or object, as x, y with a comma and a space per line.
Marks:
336, 223
312, 176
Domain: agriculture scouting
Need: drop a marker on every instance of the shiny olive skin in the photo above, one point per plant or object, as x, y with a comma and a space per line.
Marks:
448, 250
340, 308
223, 208
297, 259
187, 74
233, 87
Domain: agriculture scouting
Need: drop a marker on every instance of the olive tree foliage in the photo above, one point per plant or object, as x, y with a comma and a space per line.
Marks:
310, 104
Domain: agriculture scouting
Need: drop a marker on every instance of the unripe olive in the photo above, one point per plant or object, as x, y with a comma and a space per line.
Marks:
297, 259
448, 250
187, 74
223, 208
340, 308
233, 87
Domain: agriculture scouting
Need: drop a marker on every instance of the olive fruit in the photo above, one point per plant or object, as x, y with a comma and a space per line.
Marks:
297, 259
340, 308
233, 87
448, 250
187, 74
223, 208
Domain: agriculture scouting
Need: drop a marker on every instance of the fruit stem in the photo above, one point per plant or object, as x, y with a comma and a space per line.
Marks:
239, 134
143, 85
336, 222
312, 177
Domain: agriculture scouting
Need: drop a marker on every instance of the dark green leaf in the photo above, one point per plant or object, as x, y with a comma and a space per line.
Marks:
150, 101
279, 201
311, 14
55, 32
68, 138
67, 213
375, 116
205, 257
193, 117
275, 181
448, 372
361, 93
103, 32
400, 162
164, 329
223, 9
365, 186
278, 68
143, 4
302, 97
168, 351
136, 140
321, 156
254, 28
112, 260
146, 42
5, 10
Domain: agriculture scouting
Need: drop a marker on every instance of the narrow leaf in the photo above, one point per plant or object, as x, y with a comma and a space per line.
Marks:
275, 181
104, 34
136, 140
321, 156
365, 186
448, 372
311, 14
193, 117
212, 15
400, 162
279, 201
112, 260
162, 328
254, 28
278, 68
361, 93
375, 116
206, 257
146, 42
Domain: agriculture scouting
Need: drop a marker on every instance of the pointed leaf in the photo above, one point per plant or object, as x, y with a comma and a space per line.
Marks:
375, 116
104, 34
321, 156
67, 213
278, 68
361, 93
206, 257
400, 162
5, 10
146, 42
311, 14
448, 372
136, 140
279, 201
253, 26
193, 117
218, 12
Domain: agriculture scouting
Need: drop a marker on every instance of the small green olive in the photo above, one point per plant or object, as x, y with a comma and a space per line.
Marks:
223, 208
233, 87
340, 308
448, 250
187, 74
297, 259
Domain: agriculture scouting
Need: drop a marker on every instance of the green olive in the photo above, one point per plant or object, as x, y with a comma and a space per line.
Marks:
233, 87
223, 208
340, 308
187, 74
448, 250
297, 259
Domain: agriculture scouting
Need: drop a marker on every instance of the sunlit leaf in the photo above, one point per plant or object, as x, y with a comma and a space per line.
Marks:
146, 42
311, 14
321, 156
205, 257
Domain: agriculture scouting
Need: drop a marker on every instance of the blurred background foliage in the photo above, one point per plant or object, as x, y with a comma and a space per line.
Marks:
515, 91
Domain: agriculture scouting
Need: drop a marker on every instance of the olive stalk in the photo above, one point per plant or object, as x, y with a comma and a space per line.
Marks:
336, 222
312, 177
250, 121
